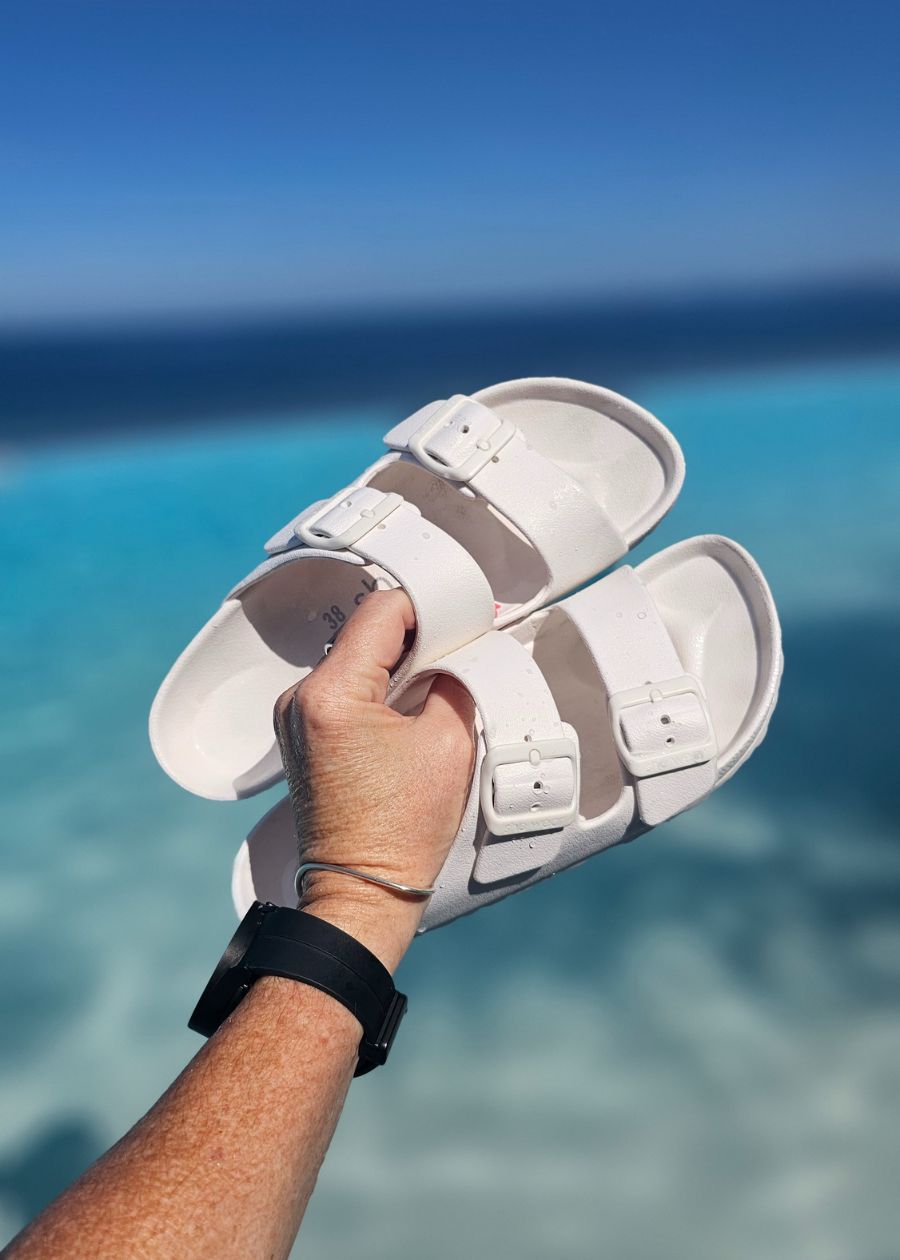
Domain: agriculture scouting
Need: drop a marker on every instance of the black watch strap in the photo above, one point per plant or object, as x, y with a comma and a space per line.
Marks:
277, 941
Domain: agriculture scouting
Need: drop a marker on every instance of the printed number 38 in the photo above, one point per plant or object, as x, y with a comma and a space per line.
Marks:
334, 617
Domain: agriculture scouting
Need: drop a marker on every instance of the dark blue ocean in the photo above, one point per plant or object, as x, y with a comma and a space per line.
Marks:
688, 1048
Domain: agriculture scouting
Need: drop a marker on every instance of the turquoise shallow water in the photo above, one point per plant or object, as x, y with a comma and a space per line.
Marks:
689, 1047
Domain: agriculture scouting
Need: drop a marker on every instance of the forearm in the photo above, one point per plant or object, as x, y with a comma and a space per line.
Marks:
224, 1164
245, 1128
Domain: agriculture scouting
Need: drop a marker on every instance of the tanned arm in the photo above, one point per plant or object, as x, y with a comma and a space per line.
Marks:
225, 1162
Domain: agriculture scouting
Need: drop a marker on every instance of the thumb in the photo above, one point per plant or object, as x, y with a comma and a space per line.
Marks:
368, 646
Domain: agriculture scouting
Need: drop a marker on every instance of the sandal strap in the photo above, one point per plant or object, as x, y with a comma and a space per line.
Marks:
362, 525
530, 773
470, 445
659, 714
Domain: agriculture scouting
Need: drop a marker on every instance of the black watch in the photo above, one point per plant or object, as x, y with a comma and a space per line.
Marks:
276, 941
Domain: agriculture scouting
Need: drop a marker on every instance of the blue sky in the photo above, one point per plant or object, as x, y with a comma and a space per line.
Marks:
218, 156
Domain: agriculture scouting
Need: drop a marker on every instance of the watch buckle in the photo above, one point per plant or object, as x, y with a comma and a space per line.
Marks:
374, 1053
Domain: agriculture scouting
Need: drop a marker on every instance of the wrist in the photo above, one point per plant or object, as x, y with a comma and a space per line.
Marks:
379, 918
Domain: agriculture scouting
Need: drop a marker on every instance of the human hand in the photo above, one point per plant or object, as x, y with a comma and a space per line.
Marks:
371, 788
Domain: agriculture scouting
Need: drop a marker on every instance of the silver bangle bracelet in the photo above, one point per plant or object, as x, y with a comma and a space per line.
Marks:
305, 867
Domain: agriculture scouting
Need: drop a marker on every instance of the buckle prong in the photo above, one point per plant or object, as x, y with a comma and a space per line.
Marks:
679, 757
484, 447
530, 753
354, 513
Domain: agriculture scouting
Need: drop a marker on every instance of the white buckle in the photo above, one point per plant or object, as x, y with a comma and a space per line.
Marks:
484, 445
530, 753
346, 518
680, 754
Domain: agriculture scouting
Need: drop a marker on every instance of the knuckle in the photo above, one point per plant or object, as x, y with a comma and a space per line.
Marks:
383, 602
318, 702
284, 703
380, 598
453, 748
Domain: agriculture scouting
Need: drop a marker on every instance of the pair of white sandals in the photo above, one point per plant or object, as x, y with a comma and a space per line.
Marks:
598, 716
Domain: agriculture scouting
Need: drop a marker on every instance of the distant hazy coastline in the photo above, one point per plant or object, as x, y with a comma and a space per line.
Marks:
66, 381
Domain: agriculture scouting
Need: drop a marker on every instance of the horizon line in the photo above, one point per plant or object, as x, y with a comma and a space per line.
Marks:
522, 306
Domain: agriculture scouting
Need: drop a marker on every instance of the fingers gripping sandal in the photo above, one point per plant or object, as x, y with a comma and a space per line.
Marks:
599, 718
484, 509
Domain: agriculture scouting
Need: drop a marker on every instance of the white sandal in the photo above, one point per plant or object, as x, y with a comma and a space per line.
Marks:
485, 509
600, 717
